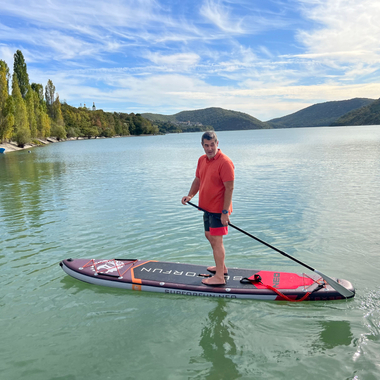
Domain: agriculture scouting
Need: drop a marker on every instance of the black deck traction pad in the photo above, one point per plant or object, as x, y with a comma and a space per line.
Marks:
187, 274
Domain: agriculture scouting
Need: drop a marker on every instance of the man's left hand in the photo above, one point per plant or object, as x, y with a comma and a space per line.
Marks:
225, 219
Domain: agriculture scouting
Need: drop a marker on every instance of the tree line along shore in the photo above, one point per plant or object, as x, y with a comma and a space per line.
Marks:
31, 114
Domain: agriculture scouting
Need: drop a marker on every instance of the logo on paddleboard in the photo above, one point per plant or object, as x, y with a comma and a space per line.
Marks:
276, 279
107, 266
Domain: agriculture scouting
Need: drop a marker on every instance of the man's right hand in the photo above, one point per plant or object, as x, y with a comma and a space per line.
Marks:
186, 199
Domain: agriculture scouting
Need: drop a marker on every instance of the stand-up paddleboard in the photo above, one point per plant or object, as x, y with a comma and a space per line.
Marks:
186, 279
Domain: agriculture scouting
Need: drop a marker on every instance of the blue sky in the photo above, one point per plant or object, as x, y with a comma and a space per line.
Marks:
267, 58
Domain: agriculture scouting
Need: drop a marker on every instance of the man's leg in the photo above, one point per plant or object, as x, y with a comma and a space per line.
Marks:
219, 256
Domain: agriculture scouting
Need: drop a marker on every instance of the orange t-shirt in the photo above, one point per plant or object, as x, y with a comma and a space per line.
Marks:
212, 174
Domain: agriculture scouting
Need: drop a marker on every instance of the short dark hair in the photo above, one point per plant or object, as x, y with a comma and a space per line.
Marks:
209, 135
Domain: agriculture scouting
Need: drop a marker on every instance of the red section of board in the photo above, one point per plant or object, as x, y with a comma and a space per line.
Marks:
281, 280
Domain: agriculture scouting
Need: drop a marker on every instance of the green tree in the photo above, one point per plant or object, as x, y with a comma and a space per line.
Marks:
39, 89
19, 68
50, 97
6, 106
42, 119
3, 88
21, 130
58, 118
44, 125
143, 126
7, 119
4, 66
118, 125
71, 120
29, 100
58, 125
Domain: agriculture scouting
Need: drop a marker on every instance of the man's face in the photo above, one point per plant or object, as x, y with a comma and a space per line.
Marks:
210, 147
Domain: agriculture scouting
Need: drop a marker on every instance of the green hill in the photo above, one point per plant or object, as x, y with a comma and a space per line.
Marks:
159, 117
219, 118
367, 115
318, 115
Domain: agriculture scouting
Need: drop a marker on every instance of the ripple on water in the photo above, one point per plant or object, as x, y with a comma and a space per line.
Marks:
304, 191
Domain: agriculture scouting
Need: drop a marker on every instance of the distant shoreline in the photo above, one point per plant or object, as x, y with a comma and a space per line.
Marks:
12, 145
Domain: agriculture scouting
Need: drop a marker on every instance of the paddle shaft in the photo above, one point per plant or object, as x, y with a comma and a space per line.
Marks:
271, 246
339, 288
261, 241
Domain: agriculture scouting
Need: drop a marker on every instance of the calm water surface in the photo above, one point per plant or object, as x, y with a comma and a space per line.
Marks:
314, 193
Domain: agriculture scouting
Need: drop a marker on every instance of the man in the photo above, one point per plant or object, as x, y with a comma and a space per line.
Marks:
214, 179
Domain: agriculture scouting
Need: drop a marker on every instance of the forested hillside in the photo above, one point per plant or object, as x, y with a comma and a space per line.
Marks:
317, 115
83, 122
29, 113
368, 115
218, 118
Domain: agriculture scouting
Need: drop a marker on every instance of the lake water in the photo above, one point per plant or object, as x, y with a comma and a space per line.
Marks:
313, 193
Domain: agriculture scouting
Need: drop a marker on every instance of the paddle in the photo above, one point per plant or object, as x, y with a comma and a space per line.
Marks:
339, 288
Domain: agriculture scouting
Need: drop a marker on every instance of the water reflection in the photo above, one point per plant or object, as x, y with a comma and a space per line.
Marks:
334, 334
218, 346
26, 187
108, 198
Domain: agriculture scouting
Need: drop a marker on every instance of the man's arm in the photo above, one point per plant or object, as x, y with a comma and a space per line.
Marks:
229, 188
193, 191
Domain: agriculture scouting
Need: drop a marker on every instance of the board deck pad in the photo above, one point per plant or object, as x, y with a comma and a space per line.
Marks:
185, 274
186, 279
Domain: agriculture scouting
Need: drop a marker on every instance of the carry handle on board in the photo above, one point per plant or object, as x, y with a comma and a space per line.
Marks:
338, 287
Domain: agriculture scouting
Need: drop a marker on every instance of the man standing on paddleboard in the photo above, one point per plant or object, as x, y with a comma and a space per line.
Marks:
214, 179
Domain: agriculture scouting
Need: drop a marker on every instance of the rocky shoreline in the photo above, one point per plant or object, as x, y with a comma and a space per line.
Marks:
12, 146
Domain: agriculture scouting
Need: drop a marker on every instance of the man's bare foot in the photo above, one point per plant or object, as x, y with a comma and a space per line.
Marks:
212, 281
213, 270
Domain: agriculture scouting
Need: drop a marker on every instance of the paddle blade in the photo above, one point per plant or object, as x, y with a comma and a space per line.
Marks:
338, 287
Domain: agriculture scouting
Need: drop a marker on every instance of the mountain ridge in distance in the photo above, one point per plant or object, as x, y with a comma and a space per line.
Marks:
320, 114
317, 115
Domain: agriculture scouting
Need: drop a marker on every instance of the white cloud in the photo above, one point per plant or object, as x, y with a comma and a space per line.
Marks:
180, 61
162, 58
72, 13
347, 30
221, 16
171, 93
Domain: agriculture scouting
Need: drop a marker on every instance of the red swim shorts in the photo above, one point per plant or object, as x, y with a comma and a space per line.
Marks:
213, 224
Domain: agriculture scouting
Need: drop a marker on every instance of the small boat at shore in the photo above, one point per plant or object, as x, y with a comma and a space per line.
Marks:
2, 150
